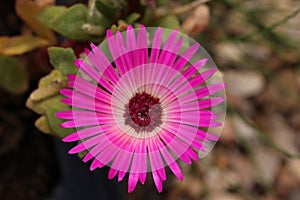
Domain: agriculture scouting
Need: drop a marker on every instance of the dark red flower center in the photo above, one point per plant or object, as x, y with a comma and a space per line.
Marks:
143, 112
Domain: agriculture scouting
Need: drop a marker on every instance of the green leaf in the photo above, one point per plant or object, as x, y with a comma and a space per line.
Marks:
97, 18
109, 8
171, 22
55, 77
13, 76
67, 22
46, 95
50, 14
55, 122
43, 125
132, 18
46, 101
63, 59
28, 10
161, 2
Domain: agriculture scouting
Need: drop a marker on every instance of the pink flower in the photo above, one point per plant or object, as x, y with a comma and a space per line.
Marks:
140, 105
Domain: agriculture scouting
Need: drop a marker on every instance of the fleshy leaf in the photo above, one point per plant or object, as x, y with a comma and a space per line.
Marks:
13, 76
67, 21
43, 125
95, 17
109, 8
63, 59
132, 18
50, 14
40, 99
46, 100
20, 44
28, 10
54, 77
55, 122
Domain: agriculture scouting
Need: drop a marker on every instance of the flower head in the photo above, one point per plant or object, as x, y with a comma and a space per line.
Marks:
142, 100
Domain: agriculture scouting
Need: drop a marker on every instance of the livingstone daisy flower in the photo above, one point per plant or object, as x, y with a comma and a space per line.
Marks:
142, 100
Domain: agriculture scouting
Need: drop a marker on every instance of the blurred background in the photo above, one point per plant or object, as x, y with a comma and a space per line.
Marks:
255, 44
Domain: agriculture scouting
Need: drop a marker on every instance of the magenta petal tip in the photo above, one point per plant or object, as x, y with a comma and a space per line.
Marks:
129, 27
71, 77
108, 33
78, 62
87, 51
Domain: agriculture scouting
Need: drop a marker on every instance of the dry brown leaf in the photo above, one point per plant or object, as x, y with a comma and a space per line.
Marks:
197, 21
20, 44
28, 10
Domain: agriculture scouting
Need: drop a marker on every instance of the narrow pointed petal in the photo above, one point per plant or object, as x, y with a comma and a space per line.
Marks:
142, 43
96, 164
112, 173
132, 181
185, 57
194, 68
87, 157
157, 181
156, 46
142, 177
121, 176
102, 63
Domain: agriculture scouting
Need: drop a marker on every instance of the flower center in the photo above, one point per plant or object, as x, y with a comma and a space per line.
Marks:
143, 112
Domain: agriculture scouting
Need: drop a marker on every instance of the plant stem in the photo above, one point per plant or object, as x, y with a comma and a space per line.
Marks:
264, 136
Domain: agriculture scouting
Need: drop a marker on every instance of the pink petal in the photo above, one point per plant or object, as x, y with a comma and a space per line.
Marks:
88, 121
202, 135
84, 145
121, 176
191, 70
167, 58
142, 46
175, 145
112, 173
114, 49
197, 144
201, 78
157, 181
87, 157
131, 45
91, 72
155, 159
185, 158
210, 102
170, 161
124, 157
102, 64
176, 170
156, 46
85, 87
142, 177
66, 114
203, 92
192, 154
123, 58
132, 181
82, 101
185, 57
170, 50
130, 39
83, 133
139, 162
95, 164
